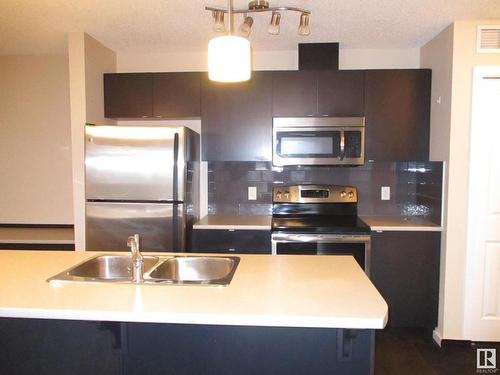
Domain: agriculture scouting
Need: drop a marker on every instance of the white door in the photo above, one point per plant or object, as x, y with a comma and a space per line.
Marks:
482, 310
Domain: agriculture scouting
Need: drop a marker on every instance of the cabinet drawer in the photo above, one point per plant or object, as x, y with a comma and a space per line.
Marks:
231, 241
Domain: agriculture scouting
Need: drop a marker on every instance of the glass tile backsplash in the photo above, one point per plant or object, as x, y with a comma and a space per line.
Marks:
415, 186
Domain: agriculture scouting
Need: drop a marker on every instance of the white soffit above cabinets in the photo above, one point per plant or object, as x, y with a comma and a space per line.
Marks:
488, 39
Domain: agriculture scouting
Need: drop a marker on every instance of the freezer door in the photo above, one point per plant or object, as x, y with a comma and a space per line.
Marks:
161, 226
134, 163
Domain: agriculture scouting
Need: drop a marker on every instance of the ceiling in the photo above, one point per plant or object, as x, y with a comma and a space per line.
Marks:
32, 27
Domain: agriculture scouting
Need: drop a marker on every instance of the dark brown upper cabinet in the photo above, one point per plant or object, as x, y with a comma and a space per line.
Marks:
236, 119
341, 93
176, 95
397, 111
152, 95
128, 95
295, 93
318, 93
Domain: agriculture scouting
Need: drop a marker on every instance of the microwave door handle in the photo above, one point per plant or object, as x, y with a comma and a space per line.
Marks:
342, 145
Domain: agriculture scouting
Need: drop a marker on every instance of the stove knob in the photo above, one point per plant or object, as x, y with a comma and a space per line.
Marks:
342, 194
351, 194
278, 195
286, 195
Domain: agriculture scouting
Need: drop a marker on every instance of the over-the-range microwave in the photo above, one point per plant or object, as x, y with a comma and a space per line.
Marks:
318, 141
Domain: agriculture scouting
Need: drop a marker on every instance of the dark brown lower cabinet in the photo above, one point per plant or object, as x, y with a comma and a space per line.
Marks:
59, 347
405, 270
185, 349
231, 241
66, 347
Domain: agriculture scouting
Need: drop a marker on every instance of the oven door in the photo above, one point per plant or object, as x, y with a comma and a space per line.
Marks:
318, 146
323, 244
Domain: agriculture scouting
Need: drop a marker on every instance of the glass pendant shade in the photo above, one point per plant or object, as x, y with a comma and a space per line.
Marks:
229, 59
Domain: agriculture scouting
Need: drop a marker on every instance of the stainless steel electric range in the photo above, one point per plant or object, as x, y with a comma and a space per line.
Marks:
319, 220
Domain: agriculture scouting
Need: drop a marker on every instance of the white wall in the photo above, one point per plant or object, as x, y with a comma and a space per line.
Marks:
269, 60
88, 60
450, 130
398, 58
35, 153
438, 56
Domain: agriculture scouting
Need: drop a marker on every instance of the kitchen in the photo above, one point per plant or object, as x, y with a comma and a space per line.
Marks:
231, 170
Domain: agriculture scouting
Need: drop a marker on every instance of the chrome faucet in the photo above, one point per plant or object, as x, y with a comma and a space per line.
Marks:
137, 259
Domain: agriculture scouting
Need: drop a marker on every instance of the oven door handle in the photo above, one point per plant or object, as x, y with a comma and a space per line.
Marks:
319, 238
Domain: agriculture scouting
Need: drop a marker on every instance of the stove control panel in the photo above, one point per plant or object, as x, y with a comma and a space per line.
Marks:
315, 194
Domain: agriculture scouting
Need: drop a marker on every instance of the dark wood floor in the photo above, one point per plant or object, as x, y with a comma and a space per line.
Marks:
413, 352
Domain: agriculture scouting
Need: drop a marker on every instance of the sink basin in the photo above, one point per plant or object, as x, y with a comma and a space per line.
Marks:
169, 270
104, 268
194, 270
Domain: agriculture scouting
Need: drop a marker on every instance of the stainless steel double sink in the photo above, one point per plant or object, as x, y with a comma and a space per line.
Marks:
197, 270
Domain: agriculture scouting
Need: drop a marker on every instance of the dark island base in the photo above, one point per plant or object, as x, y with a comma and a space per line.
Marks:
35, 346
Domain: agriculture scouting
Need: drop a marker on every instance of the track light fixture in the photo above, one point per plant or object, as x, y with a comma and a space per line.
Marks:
229, 58
260, 6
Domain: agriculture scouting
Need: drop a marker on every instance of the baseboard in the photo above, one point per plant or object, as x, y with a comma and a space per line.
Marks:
437, 337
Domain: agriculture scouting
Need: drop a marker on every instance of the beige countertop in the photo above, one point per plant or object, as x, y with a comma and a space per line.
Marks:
261, 222
400, 223
235, 222
287, 291
26, 235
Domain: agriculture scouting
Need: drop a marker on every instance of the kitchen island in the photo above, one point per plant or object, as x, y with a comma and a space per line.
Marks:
279, 313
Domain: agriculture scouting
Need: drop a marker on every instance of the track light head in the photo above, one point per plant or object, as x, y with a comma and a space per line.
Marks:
274, 25
219, 26
246, 27
304, 28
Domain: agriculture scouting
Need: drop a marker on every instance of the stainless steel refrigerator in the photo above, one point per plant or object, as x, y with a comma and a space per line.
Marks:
141, 179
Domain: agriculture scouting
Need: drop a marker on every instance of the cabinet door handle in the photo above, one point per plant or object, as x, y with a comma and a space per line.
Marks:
232, 249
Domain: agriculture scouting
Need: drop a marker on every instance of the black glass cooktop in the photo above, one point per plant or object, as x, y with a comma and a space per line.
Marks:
335, 224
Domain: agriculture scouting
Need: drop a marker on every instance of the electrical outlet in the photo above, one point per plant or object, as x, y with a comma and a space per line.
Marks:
252, 193
385, 193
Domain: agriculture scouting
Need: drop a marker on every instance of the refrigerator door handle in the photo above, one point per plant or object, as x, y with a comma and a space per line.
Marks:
175, 188
175, 193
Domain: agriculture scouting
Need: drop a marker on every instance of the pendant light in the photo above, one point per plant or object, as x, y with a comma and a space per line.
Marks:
229, 58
